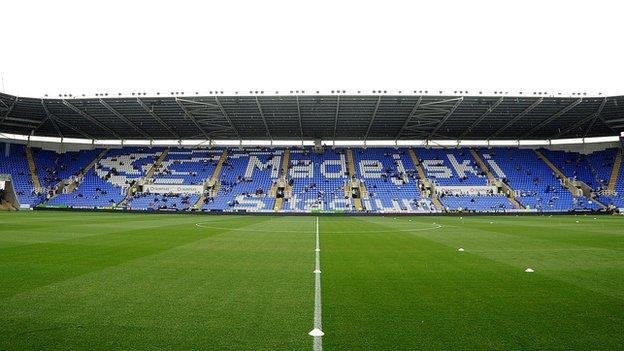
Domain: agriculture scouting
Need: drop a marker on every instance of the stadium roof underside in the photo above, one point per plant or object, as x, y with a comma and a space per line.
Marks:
337, 117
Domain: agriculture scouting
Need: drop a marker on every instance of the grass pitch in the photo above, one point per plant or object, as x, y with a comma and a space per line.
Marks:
120, 281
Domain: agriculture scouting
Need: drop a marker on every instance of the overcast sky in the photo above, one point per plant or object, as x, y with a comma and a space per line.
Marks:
52, 47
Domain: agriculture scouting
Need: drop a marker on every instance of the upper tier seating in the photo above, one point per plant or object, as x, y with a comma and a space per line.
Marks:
122, 167
601, 163
318, 181
458, 167
574, 165
390, 179
187, 166
535, 183
246, 179
16, 165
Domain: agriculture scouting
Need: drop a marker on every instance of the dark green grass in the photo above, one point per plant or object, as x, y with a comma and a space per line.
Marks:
118, 281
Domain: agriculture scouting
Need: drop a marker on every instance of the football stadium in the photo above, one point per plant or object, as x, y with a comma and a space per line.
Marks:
298, 221
335, 175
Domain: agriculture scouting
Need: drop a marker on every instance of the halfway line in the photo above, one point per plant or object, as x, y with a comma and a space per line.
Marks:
317, 332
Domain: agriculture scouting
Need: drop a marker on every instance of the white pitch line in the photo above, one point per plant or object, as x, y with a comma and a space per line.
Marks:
201, 225
317, 332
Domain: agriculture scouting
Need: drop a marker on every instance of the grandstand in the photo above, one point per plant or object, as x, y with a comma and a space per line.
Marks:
382, 180
105, 254
315, 153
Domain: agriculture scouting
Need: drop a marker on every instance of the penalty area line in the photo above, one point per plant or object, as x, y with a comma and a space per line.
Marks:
317, 332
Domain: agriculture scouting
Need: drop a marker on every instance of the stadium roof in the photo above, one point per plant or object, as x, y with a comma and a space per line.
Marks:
337, 117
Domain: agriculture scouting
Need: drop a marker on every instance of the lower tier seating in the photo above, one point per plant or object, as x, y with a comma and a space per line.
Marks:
386, 179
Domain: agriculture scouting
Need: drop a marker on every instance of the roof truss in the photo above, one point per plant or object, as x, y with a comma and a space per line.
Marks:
7, 110
517, 117
372, 119
552, 118
336, 116
426, 118
482, 117
123, 118
151, 112
64, 123
208, 117
266, 126
592, 117
90, 118
323, 116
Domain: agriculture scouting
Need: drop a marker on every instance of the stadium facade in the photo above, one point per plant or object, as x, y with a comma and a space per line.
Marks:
314, 153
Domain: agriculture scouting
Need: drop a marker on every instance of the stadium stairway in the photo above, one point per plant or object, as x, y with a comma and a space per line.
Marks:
615, 172
70, 185
285, 162
427, 183
156, 165
357, 202
33, 169
567, 183
147, 177
6, 206
279, 201
509, 191
93, 163
483, 166
212, 182
278, 204
350, 163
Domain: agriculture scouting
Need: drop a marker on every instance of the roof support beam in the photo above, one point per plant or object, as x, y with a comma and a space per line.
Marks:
299, 115
579, 123
616, 120
552, 118
197, 102
124, 119
190, 116
409, 117
336, 116
155, 116
263, 119
599, 117
54, 124
209, 116
607, 122
4, 104
91, 119
227, 117
8, 111
482, 117
48, 117
372, 119
428, 117
60, 121
445, 118
517, 117
56, 127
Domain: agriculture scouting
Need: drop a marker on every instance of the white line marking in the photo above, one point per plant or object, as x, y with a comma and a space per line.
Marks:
201, 225
212, 221
317, 332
